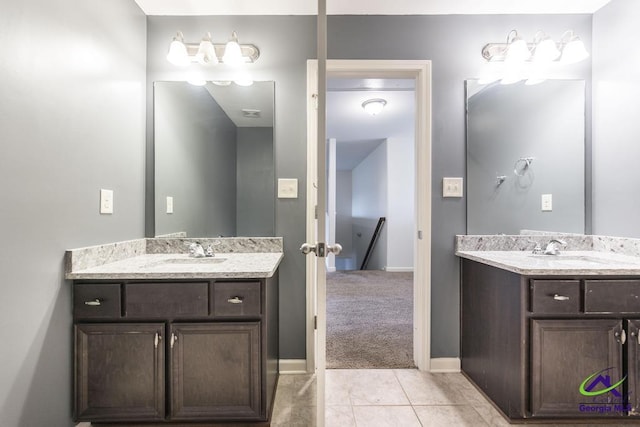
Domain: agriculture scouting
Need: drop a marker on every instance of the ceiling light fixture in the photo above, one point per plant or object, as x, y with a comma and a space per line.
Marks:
568, 50
207, 52
374, 106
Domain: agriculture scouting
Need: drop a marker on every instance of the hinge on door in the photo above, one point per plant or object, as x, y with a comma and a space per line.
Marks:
315, 100
315, 322
419, 234
315, 211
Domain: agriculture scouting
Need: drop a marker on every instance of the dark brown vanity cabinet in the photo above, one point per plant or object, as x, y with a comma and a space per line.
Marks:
533, 345
119, 371
164, 352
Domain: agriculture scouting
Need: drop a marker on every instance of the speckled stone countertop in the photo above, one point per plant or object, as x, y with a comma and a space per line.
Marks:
591, 263
583, 255
168, 259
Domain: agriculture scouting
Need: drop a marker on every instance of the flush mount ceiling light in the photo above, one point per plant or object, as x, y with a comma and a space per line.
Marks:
207, 52
374, 106
568, 50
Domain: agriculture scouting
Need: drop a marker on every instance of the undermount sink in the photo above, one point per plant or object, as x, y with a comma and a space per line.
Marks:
186, 261
206, 260
574, 259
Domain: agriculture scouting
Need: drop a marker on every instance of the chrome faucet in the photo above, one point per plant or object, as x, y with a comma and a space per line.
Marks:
196, 250
553, 247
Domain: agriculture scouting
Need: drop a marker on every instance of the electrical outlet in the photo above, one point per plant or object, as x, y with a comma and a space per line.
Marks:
106, 201
547, 202
287, 188
169, 204
452, 187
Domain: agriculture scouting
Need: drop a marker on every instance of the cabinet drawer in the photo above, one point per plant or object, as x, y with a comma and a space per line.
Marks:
167, 300
96, 301
236, 299
555, 296
612, 296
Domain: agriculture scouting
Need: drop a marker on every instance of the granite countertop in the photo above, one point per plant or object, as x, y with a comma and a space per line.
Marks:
181, 266
584, 262
166, 258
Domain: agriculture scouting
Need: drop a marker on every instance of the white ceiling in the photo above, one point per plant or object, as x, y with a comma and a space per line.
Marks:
366, 7
356, 132
233, 99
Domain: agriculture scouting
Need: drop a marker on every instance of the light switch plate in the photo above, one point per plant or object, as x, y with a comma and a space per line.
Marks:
452, 187
106, 201
287, 188
547, 202
169, 204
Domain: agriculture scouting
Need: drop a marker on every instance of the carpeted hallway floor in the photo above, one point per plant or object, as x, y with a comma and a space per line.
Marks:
369, 320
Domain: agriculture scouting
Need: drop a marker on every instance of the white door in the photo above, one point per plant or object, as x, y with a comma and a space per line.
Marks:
316, 206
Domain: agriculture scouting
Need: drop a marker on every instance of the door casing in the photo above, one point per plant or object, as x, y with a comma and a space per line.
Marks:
384, 69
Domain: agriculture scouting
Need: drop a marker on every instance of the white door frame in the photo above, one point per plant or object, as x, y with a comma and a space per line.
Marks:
388, 69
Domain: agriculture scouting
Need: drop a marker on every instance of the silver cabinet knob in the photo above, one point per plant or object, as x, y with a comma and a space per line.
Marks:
560, 297
94, 302
235, 300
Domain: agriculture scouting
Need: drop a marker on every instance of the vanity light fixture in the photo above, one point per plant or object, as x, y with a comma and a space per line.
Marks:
207, 52
568, 50
374, 106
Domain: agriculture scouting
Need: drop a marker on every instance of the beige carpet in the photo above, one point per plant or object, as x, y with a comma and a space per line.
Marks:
369, 320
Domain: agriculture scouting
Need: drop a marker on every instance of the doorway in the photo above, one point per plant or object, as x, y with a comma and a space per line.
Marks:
420, 72
370, 204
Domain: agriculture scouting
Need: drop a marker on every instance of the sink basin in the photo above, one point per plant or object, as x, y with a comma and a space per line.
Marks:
209, 260
185, 261
577, 260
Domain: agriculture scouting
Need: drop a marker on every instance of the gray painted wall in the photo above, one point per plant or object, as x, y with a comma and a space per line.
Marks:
72, 121
255, 198
506, 123
195, 160
616, 91
452, 42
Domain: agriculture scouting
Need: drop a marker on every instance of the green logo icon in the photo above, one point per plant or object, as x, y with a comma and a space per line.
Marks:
598, 378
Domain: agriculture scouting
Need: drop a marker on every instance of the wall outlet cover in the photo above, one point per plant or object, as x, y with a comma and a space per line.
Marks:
547, 202
287, 188
452, 187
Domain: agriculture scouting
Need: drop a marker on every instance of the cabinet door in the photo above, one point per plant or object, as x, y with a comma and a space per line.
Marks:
119, 372
216, 371
564, 354
633, 354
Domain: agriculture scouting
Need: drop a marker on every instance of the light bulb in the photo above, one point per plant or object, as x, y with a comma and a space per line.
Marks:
574, 51
206, 52
546, 51
232, 52
178, 52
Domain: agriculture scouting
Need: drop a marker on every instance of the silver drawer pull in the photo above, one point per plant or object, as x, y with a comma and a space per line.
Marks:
235, 300
560, 297
94, 302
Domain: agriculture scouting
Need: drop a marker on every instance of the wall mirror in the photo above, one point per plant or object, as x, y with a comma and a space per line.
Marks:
214, 159
525, 157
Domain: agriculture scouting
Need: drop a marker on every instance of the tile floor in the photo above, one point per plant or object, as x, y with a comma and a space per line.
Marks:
386, 397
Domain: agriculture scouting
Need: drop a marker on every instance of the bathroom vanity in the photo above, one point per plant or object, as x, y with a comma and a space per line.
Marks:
552, 337
163, 337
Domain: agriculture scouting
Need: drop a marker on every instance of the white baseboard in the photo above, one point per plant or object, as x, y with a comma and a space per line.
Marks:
445, 364
293, 366
399, 269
